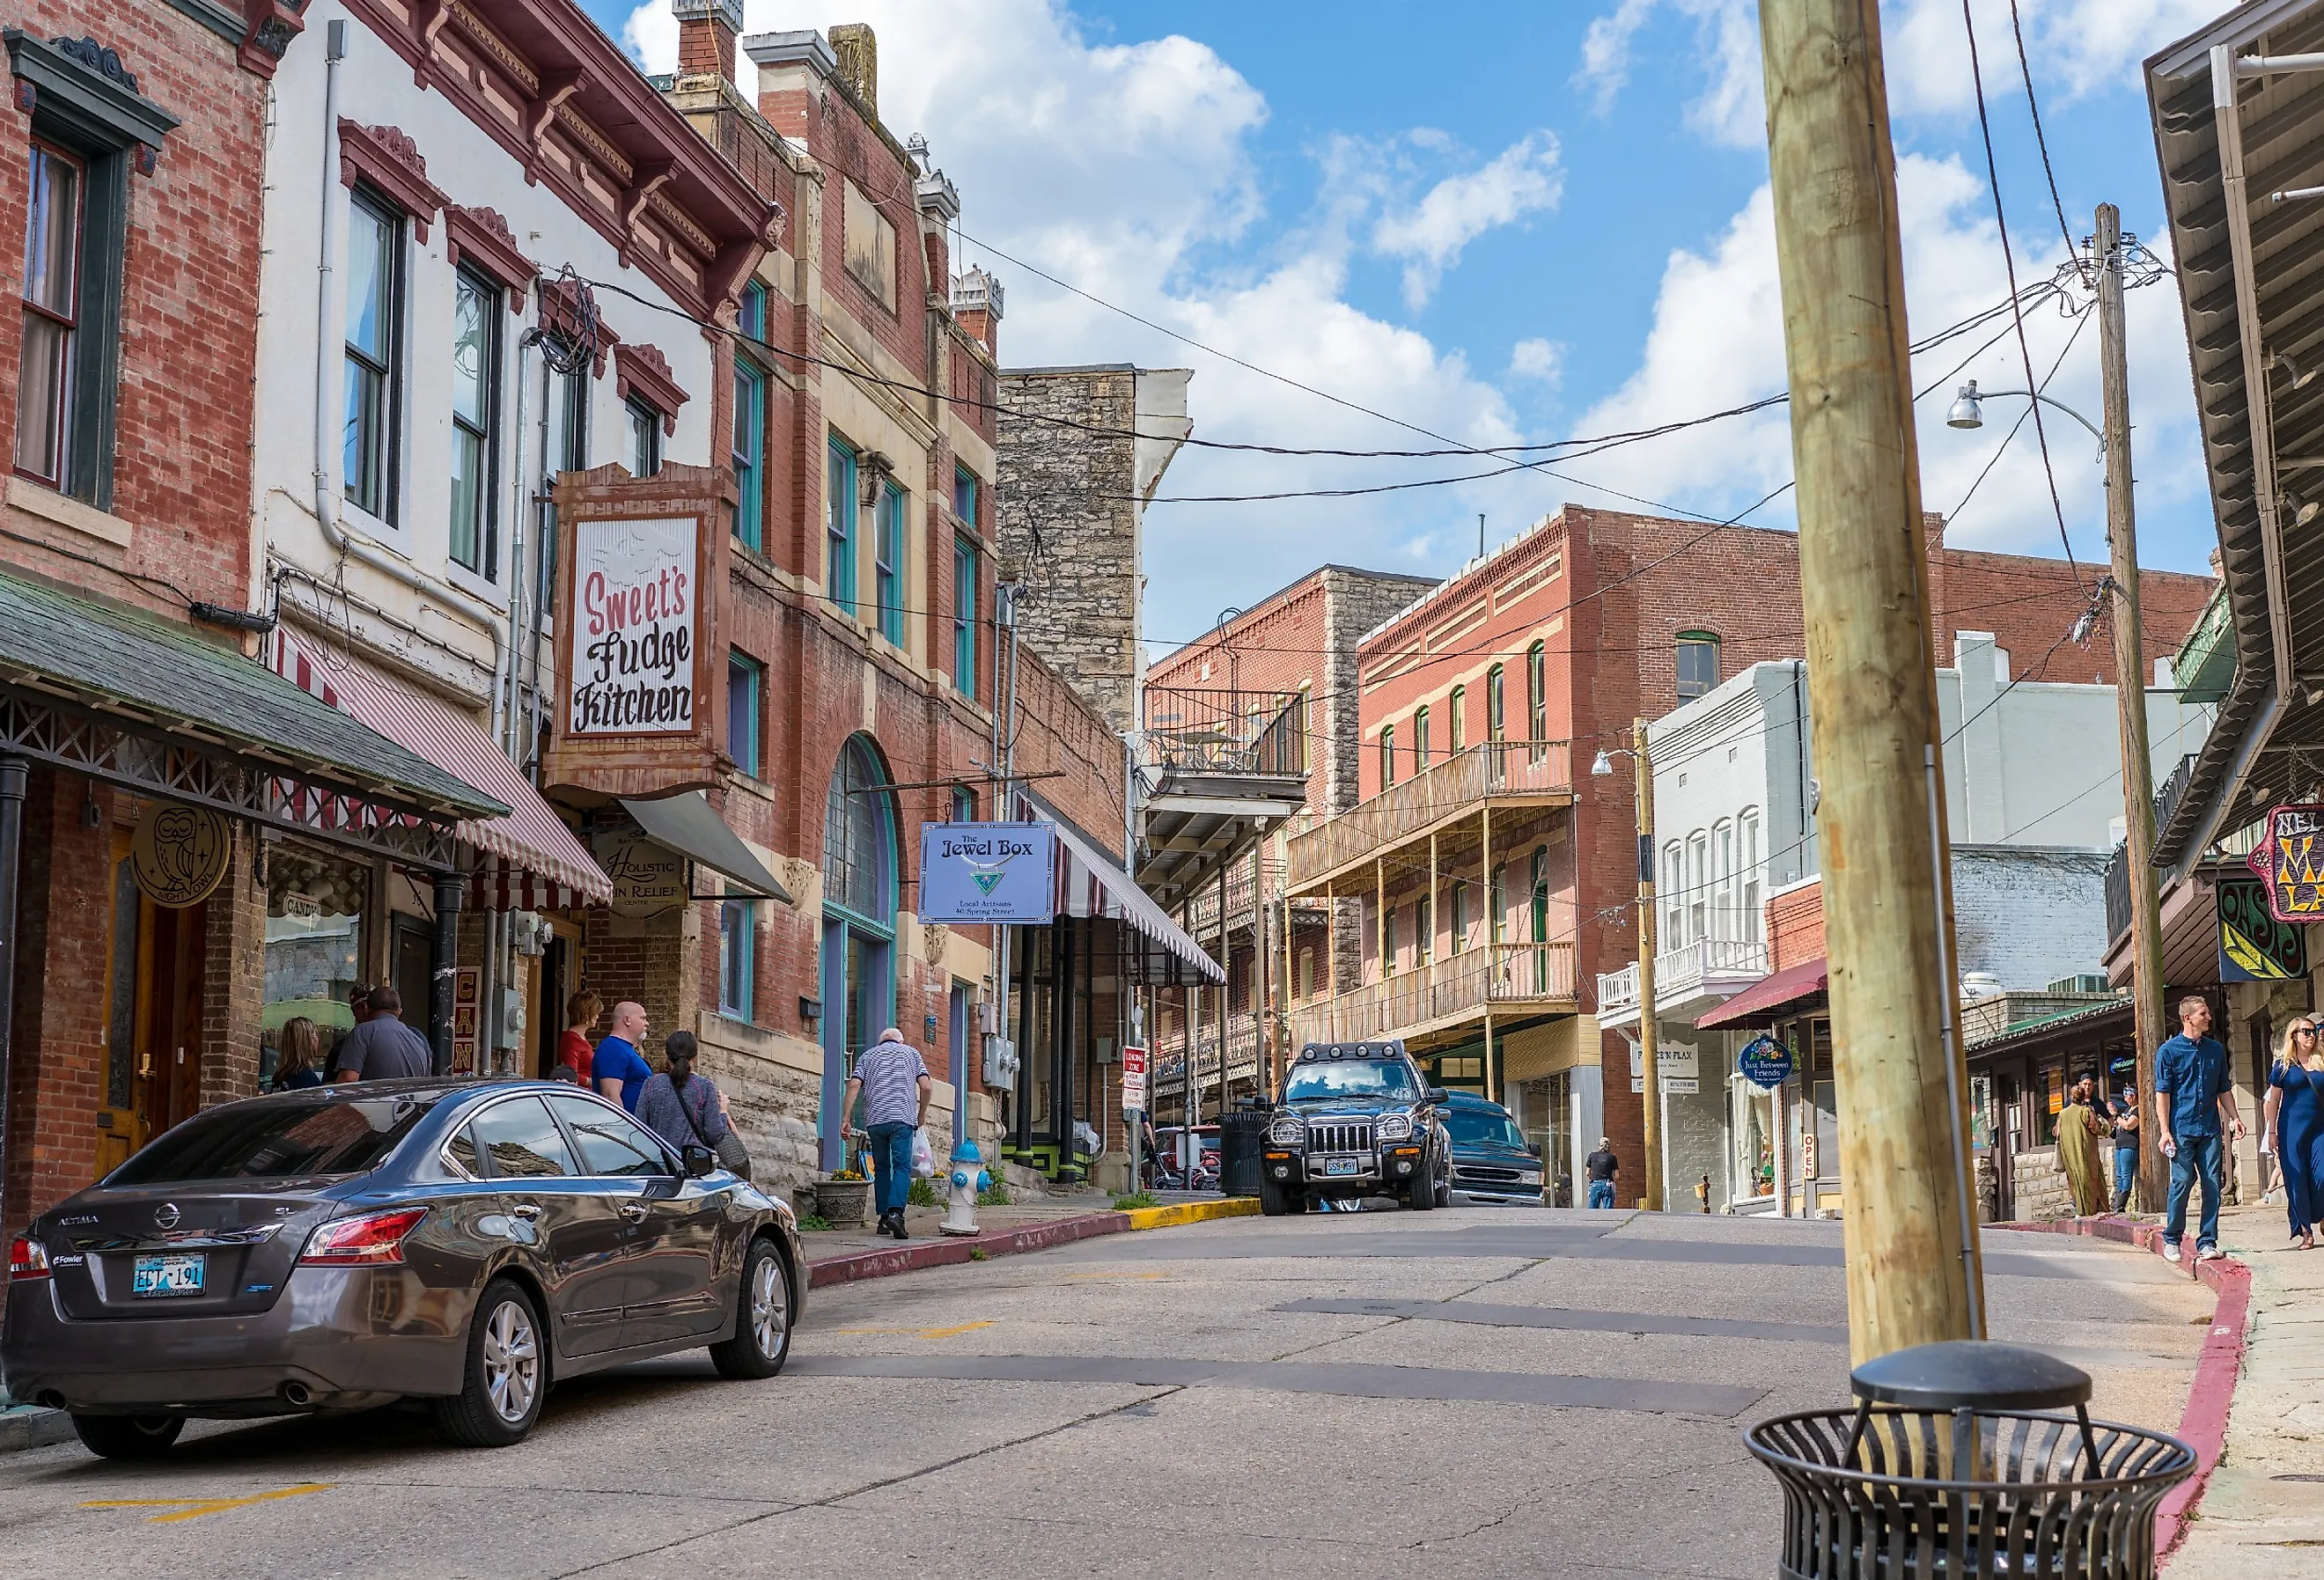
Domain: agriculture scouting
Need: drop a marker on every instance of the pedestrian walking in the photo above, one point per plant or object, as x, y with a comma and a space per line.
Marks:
2295, 1123
2080, 1131
887, 1074
299, 1055
1602, 1165
689, 1110
573, 1049
618, 1070
383, 1049
2126, 1148
2191, 1091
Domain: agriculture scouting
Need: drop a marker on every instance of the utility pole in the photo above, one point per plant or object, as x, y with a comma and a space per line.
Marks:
1650, 1049
1913, 1273
2130, 692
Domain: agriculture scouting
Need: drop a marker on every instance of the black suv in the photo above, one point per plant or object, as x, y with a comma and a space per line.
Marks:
1357, 1119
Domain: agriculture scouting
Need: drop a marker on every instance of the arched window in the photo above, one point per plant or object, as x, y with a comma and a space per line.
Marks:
1673, 895
1540, 918
1537, 693
859, 840
1420, 740
857, 975
1697, 663
1388, 756
1496, 720
1455, 736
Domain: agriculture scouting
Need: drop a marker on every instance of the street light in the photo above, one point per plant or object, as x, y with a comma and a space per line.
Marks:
1603, 766
1967, 410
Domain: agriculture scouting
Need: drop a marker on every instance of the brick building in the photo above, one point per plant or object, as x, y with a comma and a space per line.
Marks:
1497, 874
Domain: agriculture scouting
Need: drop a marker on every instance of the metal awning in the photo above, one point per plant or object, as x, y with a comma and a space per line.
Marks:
136, 700
688, 824
1762, 1002
531, 857
1092, 884
2239, 134
1193, 825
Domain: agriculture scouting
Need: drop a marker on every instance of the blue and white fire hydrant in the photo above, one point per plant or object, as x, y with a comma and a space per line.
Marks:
968, 1177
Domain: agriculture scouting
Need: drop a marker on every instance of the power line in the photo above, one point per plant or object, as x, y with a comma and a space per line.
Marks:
2034, 106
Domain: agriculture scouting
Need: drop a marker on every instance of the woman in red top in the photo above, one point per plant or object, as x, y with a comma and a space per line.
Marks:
573, 1049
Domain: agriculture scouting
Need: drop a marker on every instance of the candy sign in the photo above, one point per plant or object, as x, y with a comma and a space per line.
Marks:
635, 628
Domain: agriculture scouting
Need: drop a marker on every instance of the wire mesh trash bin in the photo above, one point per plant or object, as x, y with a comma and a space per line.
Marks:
1241, 1134
1959, 1460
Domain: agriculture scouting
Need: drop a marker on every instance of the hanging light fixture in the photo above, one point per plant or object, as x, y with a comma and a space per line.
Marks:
1602, 765
1967, 410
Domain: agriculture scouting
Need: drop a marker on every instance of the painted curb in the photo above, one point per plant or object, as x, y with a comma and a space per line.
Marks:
1192, 1212
2203, 1426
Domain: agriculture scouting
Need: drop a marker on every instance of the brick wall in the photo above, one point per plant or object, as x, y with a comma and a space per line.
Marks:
1796, 926
57, 1054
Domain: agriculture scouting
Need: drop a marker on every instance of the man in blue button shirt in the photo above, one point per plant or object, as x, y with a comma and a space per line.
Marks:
2191, 1089
618, 1067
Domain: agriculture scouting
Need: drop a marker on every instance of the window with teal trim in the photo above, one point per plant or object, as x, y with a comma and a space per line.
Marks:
738, 957
839, 526
963, 617
887, 559
749, 454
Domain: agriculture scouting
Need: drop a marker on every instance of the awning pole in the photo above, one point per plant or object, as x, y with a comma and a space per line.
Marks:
12, 839
443, 968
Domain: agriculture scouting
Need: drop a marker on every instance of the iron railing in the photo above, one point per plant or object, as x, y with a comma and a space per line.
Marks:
1193, 729
1682, 970
1464, 781
1442, 990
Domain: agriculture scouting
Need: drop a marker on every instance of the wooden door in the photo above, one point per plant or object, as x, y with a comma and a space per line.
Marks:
119, 1130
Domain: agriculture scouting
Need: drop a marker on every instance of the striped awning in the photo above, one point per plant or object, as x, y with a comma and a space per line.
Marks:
530, 859
1091, 883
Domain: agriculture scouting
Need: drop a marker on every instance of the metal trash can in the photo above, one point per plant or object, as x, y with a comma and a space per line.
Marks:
1241, 1134
1957, 1461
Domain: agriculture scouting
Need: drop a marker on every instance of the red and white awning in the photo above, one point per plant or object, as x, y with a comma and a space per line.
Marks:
533, 862
1092, 884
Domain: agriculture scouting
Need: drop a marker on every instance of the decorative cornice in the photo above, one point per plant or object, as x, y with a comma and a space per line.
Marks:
268, 28
85, 80
386, 158
503, 53
644, 372
482, 238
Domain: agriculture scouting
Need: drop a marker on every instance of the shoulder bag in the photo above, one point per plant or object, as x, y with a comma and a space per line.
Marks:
732, 1155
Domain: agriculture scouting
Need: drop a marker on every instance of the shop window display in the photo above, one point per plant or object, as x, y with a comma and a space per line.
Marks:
315, 908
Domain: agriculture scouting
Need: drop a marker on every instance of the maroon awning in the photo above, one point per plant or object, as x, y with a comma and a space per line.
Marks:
1760, 1003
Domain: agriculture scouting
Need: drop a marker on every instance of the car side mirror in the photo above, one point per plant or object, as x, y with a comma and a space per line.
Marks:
1439, 1094
1534, 1148
700, 1161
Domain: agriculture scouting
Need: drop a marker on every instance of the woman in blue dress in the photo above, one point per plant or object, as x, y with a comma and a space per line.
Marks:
2295, 1103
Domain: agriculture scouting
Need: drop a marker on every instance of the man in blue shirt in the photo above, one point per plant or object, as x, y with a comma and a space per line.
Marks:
620, 1071
2192, 1087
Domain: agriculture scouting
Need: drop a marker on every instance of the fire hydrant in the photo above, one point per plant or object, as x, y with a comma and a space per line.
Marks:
968, 1177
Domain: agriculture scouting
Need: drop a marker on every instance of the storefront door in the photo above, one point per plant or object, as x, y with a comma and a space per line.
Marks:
155, 996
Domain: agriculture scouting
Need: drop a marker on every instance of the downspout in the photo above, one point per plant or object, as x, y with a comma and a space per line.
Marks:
326, 515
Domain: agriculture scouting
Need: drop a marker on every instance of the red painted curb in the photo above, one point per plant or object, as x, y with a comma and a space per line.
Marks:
851, 1267
2203, 1425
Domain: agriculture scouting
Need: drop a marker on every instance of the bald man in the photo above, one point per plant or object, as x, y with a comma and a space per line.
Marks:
619, 1069
888, 1074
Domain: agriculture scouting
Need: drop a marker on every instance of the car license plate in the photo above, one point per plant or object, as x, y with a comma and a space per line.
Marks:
167, 1275
1335, 1167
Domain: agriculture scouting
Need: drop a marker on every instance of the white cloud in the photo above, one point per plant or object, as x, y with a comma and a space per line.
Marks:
1538, 359
1124, 167
1524, 180
1606, 51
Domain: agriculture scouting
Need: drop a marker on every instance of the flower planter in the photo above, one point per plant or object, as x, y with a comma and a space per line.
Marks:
842, 1201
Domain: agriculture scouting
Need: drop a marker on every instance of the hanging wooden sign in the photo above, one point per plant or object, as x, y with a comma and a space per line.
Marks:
2290, 861
181, 854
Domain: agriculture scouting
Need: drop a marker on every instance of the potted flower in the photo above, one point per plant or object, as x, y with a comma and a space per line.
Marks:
846, 1198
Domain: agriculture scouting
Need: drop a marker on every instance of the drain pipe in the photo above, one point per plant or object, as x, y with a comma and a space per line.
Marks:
327, 514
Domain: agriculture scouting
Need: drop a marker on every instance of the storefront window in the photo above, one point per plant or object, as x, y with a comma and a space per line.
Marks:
315, 906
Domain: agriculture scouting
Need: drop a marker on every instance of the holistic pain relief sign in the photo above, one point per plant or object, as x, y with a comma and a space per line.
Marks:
988, 872
636, 626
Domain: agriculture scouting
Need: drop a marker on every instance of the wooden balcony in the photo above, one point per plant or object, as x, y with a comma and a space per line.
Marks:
1512, 773
1443, 998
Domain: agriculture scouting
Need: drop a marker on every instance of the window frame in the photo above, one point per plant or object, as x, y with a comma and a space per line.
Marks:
1387, 757
1496, 717
68, 350
841, 470
738, 957
1538, 695
891, 551
743, 671
384, 503
1456, 708
1687, 644
1420, 732
747, 454
490, 297
645, 436
966, 597
962, 479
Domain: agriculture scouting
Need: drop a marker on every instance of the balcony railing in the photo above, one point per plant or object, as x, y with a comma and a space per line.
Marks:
1197, 730
2118, 893
1461, 782
1202, 908
1242, 1046
1681, 971
1442, 991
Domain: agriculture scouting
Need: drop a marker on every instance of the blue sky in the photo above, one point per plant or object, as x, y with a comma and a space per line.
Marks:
1511, 224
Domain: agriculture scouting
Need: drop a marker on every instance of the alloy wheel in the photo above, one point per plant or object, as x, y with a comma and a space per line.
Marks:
511, 1359
770, 1308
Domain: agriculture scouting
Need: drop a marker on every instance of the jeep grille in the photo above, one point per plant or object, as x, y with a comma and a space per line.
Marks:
1345, 1135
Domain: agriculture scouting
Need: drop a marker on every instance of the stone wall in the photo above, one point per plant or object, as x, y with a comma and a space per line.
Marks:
2039, 1186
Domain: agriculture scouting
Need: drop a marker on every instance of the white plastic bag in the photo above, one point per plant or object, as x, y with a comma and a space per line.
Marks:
924, 1156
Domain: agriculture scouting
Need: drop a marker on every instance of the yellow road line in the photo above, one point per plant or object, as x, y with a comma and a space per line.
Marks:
1192, 1212
921, 1332
195, 1508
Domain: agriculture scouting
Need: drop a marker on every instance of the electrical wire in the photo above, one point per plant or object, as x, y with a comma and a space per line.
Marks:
2034, 108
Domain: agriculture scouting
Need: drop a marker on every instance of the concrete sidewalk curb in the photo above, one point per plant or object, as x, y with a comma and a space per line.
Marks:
852, 1267
2203, 1426
31, 1427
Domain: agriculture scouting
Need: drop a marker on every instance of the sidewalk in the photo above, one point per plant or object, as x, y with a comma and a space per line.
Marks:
839, 1256
2264, 1512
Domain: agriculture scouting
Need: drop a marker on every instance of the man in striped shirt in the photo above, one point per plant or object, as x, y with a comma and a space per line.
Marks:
896, 1086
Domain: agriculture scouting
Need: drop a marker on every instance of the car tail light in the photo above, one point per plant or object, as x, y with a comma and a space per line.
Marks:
27, 1258
365, 1242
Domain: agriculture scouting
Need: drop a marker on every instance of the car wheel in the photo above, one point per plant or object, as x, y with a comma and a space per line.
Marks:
762, 1318
506, 1376
1445, 1192
128, 1437
1273, 1201
1421, 1194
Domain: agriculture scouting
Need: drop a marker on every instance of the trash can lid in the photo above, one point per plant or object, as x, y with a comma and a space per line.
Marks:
1974, 1373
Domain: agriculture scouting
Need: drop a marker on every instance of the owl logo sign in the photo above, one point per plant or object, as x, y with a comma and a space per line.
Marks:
2289, 863
179, 854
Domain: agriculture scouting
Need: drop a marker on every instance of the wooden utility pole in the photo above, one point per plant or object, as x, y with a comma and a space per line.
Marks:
1649, 1052
1912, 1274
2130, 692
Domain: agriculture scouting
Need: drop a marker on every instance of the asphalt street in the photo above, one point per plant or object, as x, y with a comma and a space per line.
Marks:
1463, 1394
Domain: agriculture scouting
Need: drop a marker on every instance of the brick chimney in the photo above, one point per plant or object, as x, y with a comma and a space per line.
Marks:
859, 62
976, 306
706, 32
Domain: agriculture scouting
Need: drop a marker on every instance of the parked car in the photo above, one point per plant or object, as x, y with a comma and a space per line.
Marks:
1493, 1165
1356, 1120
1168, 1144
344, 1246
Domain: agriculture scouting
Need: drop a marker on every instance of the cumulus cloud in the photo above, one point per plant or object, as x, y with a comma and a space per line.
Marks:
1538, 359
1524, 179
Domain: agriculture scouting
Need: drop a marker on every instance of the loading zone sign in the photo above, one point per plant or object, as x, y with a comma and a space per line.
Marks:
1000, 872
